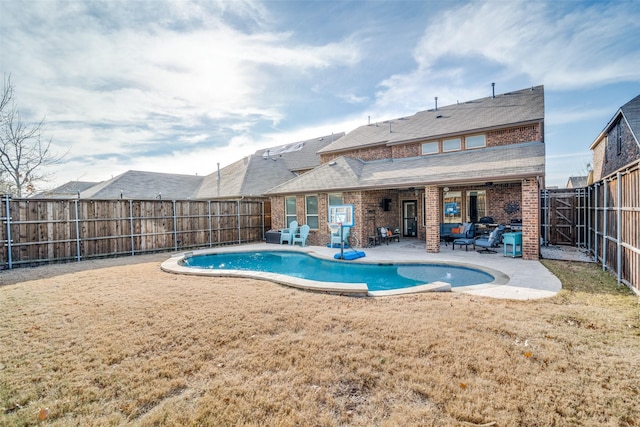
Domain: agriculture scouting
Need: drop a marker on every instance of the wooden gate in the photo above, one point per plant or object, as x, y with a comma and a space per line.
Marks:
559, 216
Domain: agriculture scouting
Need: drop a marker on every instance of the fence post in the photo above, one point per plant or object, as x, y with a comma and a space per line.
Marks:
264, 236
605, 229
595, 221
239, 225
133, 245
619, 228
210, 224
175, 228
588, 228
76, 210
8, 213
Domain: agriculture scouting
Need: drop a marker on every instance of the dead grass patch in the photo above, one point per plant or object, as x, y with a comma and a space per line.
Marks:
129, 344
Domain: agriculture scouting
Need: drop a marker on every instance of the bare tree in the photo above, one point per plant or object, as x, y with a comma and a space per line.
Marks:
24, 151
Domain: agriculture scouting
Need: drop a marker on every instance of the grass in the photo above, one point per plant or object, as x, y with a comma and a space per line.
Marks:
129, 344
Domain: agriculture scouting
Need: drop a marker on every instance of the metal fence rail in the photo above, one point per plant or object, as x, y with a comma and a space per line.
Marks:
605, 220
51, 230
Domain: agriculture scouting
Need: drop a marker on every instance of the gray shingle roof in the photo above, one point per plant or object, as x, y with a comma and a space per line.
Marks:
255, 174
487, 164
577, 181
67, 190
631, 111
512, 108
145, 185
249, 176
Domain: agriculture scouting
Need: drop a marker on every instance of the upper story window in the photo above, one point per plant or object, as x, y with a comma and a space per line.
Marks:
475, 141
311, 205
430, 147
619, 137
452, 144
290, 209
335, 199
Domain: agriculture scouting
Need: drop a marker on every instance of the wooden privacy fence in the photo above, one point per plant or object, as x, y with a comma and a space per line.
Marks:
603, 218
51, 230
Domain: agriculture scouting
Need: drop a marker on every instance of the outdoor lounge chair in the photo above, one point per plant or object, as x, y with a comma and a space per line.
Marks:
335, 237
289, 233
386, 234
302, 236
493, 241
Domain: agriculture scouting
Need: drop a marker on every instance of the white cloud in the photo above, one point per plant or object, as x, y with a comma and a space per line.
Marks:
556, 45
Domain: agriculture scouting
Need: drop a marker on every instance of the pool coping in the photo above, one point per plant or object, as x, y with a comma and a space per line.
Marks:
172, 265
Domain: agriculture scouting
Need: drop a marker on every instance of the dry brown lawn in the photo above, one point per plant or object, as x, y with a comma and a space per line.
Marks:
117, 342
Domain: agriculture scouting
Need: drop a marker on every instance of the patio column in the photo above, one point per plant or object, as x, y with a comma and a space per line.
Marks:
432, 218
530, 219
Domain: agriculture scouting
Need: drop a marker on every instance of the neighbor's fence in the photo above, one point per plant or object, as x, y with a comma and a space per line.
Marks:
604, 218
51, 230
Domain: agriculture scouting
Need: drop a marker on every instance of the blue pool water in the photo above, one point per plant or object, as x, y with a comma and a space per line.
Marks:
378, 277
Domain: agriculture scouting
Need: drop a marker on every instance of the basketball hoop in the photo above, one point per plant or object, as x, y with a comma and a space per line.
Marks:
334, 227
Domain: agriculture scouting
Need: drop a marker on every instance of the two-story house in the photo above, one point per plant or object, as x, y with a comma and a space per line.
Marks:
480, 158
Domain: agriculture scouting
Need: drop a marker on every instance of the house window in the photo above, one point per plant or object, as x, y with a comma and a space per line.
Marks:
335, 199
475, 141
311, 203
290, 209
451, 144
430, 147
452, 206
476, 205
619, 137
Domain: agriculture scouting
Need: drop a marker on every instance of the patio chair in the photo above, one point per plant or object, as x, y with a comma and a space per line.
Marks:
289, 233
493, 241
302, 236
335, 237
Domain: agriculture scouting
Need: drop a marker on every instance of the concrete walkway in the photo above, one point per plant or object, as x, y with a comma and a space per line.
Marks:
521, 280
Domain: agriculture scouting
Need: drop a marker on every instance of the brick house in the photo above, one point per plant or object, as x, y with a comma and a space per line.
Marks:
618, 146
485, 157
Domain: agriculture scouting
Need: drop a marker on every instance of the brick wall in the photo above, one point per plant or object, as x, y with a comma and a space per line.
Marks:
598, 161
514, 135
406, 150
530, 219
370, 153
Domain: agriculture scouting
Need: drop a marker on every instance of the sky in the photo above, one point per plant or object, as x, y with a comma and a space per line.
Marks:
180, 86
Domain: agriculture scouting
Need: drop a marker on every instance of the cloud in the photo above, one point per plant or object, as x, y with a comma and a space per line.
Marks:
555, 44
123, 80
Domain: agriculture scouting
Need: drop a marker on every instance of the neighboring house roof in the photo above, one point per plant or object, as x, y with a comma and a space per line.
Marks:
265, 169
493, 164
631, 114
577, 182
69, 190
508, 109
145, 185
250, 176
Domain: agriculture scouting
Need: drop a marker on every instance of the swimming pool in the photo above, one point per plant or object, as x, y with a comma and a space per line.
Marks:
377, 278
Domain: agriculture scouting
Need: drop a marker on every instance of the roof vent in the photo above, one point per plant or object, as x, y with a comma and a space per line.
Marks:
493, 90
436, 98
439, 116
332, 163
